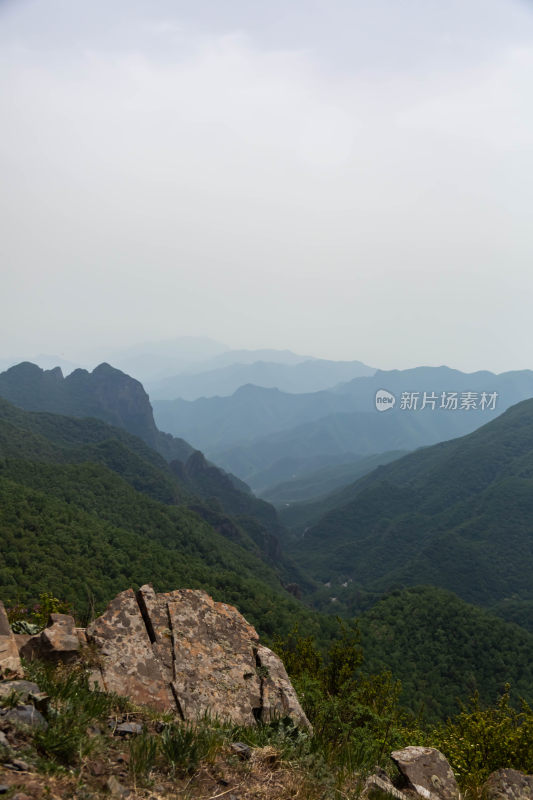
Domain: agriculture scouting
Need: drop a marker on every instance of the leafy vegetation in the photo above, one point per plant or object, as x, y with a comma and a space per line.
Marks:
480, 740
443, 649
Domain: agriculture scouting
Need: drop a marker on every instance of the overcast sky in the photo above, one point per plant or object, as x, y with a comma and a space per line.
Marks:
342, 178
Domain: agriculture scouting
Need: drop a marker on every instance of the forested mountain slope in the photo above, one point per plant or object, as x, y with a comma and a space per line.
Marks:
87, 510
458, 515
109, 395
442, 649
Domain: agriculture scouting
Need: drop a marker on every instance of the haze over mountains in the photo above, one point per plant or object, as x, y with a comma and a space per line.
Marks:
155, 361
303, 376
266, 436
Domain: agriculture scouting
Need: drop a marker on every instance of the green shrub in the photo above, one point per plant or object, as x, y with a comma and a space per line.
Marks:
356, 717
73, 708
479, 740
32, 619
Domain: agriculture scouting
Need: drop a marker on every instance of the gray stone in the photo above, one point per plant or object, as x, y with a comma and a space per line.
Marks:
214, 660
116, 789
128, 729
243, 750
278, 696
508, 784
24, 715
23, 689
3, 740
18, 765
427, 773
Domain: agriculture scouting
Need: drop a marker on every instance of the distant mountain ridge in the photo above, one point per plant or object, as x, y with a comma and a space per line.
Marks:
154, 361
255, 430
216, 422
297, 378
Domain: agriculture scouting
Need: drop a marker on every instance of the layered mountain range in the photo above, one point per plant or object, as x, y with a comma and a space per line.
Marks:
266, 436
89, 507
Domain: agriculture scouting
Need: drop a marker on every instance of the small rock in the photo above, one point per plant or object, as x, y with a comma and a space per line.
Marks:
18, 765
116, 789
22, 688
244, 751
128, 729
4, 788
21, 796
3, 740
10, 666
58, 642
40, 700
378, 784
25, 715
427, 772
95, 730
508, 784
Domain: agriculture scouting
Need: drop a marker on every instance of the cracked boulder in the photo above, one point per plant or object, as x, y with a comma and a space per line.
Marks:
184, 651
427, 773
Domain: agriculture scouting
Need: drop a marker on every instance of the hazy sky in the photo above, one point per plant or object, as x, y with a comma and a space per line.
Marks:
343, 178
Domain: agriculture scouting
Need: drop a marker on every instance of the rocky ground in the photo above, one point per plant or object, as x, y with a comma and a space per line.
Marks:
173, 696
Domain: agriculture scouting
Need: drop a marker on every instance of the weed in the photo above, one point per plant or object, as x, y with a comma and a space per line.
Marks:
143, 754
184, 745
11, 700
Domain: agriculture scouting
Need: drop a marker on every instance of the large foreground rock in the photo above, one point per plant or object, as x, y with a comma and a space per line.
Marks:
508, 784
427, 772
182, 650
10, 666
